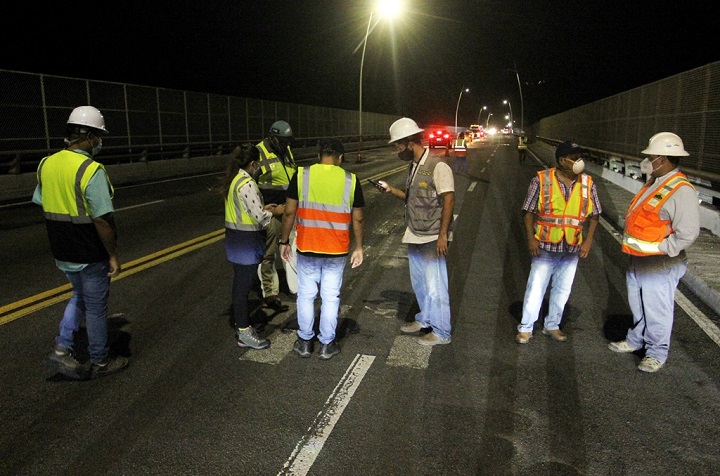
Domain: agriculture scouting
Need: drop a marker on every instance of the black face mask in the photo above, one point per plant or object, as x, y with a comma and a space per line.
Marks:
406, 155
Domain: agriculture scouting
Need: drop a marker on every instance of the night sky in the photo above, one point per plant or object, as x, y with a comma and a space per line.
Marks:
566, 53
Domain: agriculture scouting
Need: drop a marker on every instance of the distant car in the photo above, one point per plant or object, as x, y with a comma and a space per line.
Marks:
478, 131
439, 138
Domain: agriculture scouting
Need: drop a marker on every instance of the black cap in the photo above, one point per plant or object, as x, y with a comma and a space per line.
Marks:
331, 147
568, 148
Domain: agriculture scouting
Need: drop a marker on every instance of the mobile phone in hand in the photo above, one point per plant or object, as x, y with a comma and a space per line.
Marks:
377, 184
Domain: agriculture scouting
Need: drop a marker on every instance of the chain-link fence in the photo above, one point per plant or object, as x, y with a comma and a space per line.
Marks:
687, 104
147, 123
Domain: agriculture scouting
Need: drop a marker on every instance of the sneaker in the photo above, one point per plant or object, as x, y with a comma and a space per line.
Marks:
248, 338
556, 334
303, 347
328, 350
62, 360
412, 327
621, 346
432, 339
523, 337
111, 365
274, 303
650, 364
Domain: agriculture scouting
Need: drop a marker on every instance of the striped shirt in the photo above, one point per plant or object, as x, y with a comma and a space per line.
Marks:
531, 205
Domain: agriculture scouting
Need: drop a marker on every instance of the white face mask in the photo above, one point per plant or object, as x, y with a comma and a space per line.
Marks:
646, 166
578, 166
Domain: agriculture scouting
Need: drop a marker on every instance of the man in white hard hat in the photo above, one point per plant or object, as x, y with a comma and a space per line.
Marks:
76, 196
429, 198
663, 220
277, 167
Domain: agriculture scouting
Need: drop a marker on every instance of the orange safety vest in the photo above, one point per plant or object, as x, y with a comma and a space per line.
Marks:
557, 219
324, 214
644, 230
460, 149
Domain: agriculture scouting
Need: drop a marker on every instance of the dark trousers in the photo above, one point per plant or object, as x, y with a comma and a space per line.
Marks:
243, 275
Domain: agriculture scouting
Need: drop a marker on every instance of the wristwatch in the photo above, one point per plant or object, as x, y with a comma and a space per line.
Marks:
283, 242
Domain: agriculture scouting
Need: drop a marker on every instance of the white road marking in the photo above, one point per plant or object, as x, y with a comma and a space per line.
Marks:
139, 205
472, 186
317, 434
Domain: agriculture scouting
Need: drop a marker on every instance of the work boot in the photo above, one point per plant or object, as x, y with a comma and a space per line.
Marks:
109, 366
248, 338
303, 347
328, 350
274, 303
62, 360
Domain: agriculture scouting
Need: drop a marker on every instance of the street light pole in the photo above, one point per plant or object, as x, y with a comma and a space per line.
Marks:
362, 63
480, 113
522, 113
464, 90
487, 121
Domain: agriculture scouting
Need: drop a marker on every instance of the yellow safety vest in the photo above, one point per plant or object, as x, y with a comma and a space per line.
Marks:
558, 219
326, 194
460, 149
275, 175
235, 209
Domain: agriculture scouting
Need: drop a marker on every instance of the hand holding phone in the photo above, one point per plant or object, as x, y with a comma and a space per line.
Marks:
382, 186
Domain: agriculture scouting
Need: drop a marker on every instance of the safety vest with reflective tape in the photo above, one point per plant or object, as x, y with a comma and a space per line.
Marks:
522, 143
63, 178
234, 208
460, 149
325, 200
557, 219
275, 175
644, 230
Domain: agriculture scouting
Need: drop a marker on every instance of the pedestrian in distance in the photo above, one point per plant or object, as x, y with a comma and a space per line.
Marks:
323, 202
558, 203
76, 197
429, 198
246, 218
277, 168
522, 147
662, 221
460, 151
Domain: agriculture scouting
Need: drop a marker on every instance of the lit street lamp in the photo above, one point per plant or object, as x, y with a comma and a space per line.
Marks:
505, 101
487, 121
522, 113
387, 8
464, 90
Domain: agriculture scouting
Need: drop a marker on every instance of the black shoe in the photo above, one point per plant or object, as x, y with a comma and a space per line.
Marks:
328, 350
111, 365
274, 303
303, 347
62, 360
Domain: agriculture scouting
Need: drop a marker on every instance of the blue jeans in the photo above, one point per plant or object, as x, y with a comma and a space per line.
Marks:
651, 283
91, 290
327, 273
429, 278
561, 268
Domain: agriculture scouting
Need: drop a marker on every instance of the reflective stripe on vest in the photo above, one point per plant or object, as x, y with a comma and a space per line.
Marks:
63, 177
557, 219
275, 175
644, 230
234, 208
326, 194
460, 148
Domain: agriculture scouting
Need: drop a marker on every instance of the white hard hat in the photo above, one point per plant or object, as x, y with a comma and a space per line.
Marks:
665, 143
87, 116
403, 127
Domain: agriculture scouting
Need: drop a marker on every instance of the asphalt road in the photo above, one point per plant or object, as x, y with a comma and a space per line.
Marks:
192, 403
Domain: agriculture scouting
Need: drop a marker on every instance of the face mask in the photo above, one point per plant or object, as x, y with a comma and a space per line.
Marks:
406, 155
96, 150
646, 166
578, 166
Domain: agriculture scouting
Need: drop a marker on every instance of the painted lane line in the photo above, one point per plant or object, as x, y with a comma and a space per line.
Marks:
317, 434
472, 186
138, 206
